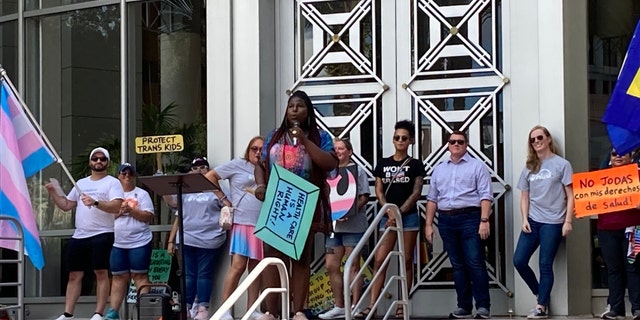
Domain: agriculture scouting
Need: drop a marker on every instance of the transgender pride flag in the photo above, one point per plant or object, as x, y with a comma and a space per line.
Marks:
22, 154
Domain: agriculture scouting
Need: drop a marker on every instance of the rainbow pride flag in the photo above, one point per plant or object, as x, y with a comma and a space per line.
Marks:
23, 154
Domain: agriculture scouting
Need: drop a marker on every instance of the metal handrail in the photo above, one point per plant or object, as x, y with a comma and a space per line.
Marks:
251, 278
354, 257
20, 266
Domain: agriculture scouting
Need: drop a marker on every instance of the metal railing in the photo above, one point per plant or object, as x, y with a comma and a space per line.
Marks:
19, 261
242, 288
354, 257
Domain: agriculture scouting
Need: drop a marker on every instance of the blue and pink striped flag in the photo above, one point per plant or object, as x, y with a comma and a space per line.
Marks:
23, 154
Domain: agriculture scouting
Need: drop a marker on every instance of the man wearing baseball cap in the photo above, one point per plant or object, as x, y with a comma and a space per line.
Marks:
97, 198
131, 252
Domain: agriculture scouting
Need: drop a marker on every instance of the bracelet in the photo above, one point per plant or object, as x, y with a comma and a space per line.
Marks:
569, 222
261, 186
169, 242
223, 198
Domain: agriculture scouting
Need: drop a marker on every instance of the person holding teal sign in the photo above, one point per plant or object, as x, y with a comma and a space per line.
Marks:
300, 147
348, 229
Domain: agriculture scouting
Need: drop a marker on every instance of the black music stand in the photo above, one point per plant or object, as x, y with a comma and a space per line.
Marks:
179, 184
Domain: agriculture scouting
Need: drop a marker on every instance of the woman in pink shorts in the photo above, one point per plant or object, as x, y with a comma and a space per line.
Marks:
246, 248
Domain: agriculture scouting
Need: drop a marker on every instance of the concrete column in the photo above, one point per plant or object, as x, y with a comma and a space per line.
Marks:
547, 68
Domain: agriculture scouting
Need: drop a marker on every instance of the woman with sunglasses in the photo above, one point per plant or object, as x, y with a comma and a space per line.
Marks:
546, 205
245, 249
398, 181
299, 146
614, 244
203, 238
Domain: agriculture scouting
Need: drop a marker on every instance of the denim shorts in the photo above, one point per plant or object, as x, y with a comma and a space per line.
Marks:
135, 260
343, 239
410, 222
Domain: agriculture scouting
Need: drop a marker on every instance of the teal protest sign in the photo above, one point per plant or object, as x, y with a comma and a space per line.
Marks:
287, 212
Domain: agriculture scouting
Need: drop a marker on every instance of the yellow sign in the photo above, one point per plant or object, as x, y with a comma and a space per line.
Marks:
320, 295
158, 144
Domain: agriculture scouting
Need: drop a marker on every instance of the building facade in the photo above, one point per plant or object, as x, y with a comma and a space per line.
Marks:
104, 71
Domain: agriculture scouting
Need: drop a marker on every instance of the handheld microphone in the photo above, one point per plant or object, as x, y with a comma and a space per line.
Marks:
294, 131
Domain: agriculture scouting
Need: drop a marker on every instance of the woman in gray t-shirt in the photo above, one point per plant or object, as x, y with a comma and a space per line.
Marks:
547, 197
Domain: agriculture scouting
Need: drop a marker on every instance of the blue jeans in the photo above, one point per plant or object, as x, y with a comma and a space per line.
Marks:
547, 237
198, 272
620, 273
466, 253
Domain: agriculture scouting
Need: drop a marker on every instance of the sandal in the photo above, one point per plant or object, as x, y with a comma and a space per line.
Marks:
363, 314
399, 313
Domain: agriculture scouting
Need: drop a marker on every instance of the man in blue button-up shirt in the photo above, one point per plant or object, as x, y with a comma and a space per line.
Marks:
461, 193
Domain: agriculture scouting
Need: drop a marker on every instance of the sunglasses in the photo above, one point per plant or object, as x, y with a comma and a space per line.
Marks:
196, 168
539, 138
398, 138
103, 159
255, 149
126, 173
615, 154
460, 142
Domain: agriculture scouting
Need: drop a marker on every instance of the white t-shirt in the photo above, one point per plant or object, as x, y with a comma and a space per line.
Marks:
200, 220
240, 175
129, 231
91, 221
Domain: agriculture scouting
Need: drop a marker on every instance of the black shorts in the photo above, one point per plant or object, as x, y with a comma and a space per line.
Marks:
89, 253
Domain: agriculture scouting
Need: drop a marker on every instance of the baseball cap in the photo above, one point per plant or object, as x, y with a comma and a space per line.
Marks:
127, 166
100, 149
199, 161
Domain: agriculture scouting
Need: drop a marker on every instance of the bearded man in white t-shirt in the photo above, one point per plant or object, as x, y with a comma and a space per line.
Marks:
97, 199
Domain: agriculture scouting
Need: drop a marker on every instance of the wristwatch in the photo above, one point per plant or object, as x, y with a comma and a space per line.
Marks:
96, 203
484, 220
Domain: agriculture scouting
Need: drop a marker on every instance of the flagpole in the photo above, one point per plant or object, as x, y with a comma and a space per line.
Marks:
3, 75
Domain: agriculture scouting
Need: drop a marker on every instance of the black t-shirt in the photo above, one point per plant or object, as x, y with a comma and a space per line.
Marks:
403, 181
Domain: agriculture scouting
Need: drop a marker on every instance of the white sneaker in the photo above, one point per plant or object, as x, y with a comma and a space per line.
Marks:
63, 317
336, 312
255, 315
96, 317
227, 316
202, 314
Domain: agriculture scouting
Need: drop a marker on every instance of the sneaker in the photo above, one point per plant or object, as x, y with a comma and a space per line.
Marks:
63, 317
111, 315
96, 316
202, 314
299, 316
609, 314
255, 315
460, 313
336, 312
636, 315
482, 313
227, 316
267, 316
537, 313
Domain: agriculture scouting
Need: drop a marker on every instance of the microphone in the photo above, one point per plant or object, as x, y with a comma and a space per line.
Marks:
294, 132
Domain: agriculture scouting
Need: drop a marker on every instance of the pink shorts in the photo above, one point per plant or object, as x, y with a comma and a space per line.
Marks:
245, 243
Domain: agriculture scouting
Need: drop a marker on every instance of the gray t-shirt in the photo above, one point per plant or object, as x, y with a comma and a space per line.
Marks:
547, 197
201, 215
357, 221
240, 175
